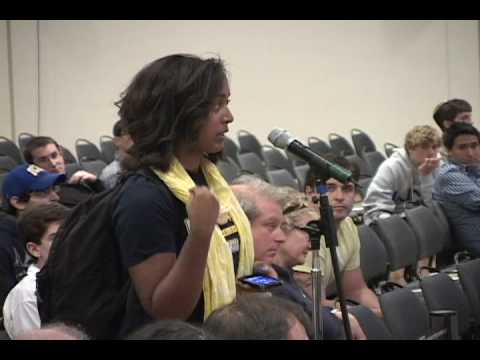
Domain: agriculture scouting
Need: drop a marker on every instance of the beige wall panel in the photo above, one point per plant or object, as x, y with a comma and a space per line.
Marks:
311, 77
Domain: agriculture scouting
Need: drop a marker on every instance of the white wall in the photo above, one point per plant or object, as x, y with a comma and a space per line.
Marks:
311, 77
5, 108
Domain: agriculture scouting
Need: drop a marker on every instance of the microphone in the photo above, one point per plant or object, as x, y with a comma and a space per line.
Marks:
282, 139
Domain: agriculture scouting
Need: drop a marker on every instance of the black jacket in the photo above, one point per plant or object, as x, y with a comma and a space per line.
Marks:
72, 194
291, 290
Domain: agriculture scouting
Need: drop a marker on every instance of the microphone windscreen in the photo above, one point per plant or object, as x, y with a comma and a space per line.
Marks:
280, 138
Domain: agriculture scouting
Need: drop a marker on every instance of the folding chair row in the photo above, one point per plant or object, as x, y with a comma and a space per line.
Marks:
442, 312
408, 317
399, 242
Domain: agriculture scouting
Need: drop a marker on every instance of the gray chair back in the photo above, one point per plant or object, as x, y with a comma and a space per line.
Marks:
469, 273
252, 164
301, 172
6, 165
399, 241
23, 139
276, 160
281, 177
389, 148
230, 149
295, 160
373, 160
340, 145
362, 142
373, 255
229, 169
68, 156
362, 165
248, 143
442, 293
319, 146
427, 230
10, 149
372, 325
405, 315
107, 148
87, 151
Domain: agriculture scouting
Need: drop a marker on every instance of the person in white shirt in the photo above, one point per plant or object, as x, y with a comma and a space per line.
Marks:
38, 226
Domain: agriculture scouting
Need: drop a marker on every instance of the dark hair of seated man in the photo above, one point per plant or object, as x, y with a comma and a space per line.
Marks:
170, 330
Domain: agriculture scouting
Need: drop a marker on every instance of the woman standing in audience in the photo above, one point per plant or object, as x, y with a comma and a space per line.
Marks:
182, 234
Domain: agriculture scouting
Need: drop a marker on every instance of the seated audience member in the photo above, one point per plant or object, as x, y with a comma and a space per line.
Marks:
24, 186
406, 178
54, 331
258, 317
111, 173
38, 226
457, 186
45, 152
341, 197
293, 252
452, 111
262, 203
170, 330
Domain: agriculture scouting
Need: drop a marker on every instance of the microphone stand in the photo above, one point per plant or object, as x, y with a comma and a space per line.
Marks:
316, 283
327, 227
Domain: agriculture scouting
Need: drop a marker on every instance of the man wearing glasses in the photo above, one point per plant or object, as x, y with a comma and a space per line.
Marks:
342, 199
24, 186
264, 206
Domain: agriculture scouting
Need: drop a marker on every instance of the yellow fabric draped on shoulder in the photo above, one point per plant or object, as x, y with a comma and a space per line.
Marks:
219, 283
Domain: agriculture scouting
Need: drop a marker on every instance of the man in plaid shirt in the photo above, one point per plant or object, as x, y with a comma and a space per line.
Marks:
457, 186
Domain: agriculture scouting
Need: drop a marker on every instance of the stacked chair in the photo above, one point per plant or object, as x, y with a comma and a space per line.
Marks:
229, 169
341, 146
107, 148
469, 274
389, 148
6, 164
248, 143
89, 156
10, 149
319, 146
366, 150
23, 139
230, 150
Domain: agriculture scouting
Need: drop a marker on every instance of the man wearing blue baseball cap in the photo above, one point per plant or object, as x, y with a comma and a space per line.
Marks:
24, 186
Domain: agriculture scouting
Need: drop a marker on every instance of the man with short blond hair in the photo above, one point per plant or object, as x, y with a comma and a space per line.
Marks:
406, 178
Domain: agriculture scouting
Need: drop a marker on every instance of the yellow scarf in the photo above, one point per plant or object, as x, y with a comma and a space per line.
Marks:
219, 283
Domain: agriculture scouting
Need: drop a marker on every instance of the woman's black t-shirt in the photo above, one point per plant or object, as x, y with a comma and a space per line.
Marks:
149, 220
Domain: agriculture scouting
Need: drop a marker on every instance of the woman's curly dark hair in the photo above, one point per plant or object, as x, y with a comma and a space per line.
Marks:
166, 104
